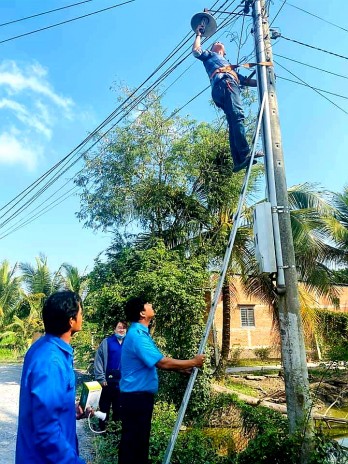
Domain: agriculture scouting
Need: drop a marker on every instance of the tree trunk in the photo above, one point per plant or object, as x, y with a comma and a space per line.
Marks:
226, 321
226, 330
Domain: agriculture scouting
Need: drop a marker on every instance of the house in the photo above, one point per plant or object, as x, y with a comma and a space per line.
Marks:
252, 324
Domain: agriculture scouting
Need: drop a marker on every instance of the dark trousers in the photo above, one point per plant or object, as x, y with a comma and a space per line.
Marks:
110, 397
226, 95
136, 415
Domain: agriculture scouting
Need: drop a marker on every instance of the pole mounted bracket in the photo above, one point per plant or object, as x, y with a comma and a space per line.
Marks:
280, 209
275, 34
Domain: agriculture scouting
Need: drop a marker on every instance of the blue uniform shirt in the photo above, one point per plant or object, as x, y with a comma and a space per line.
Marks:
213, 61
138, 361
47, 418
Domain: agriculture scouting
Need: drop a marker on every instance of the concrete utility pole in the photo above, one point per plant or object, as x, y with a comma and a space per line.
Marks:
291, 331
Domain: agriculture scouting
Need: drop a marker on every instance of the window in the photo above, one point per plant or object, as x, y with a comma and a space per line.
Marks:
247, 317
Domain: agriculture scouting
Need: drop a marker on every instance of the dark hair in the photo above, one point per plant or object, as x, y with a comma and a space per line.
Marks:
121, 322
57, 311
133, 308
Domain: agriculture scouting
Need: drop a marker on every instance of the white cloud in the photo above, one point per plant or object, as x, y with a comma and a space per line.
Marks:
39, 122
14, 149
32, 78
30, 109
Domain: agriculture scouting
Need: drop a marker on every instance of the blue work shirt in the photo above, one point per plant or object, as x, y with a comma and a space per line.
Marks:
138, 361
47, 417
212, 61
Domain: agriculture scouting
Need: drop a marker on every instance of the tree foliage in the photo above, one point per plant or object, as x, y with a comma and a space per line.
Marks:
175, 285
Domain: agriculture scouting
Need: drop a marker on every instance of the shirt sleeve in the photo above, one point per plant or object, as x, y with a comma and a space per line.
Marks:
49, 396
99, 363
201, 55
147, 350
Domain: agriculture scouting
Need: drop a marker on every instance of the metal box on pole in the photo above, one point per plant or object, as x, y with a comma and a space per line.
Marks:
264, 239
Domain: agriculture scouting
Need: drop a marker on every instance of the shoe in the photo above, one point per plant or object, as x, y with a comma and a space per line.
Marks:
259, 154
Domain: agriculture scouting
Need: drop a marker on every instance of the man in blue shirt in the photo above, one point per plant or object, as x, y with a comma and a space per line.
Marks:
139, 381
225, 82
107, 371
47, 413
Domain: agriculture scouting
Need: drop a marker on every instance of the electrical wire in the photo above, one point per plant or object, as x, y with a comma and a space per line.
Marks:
311, 87
275, 17
315, 48
65, 22
44, 13
318, 17
137, 100
314, 88
62, 171
310, 66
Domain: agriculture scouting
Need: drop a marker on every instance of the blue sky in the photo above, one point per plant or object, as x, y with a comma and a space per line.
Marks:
55, 89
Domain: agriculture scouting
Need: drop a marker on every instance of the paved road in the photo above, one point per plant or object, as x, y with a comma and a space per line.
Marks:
9, 393
9, 390
277, 367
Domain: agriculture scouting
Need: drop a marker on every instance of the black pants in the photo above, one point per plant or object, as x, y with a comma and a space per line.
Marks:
110, 396
136, 415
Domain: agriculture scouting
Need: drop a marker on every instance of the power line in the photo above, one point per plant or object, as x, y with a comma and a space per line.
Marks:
318, 17
280, 9
44, 13
315, 90
310, 66
315, 48
73, 153
65, 22
129, 107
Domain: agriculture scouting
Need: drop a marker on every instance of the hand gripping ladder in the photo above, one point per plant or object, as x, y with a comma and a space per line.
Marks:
210, 320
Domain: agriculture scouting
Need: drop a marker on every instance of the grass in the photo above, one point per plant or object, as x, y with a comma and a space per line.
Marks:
8, 355
240, 388
255, 362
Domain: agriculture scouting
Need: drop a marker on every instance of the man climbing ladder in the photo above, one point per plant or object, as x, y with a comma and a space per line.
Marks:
225, 83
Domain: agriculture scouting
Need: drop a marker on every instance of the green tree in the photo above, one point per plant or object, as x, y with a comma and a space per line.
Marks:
39, 279
9, 290
137, 177
175, 285
73, 280
19, 333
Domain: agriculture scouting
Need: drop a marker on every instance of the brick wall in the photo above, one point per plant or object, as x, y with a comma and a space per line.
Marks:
263, 332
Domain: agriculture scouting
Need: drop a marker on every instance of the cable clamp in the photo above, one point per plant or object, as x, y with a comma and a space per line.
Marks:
275, 34
280, 209
286, 267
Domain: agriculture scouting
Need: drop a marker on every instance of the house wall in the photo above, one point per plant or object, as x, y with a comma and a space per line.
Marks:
263, 333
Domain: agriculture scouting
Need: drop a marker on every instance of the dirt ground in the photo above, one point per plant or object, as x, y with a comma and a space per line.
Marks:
327, 387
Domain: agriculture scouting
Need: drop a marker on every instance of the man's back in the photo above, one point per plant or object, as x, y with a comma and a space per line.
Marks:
46, 424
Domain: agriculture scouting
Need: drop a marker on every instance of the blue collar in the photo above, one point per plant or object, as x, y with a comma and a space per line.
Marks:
60, 343
139, 326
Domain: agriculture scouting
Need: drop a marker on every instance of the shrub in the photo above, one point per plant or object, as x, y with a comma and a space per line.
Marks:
235, 354
262, 353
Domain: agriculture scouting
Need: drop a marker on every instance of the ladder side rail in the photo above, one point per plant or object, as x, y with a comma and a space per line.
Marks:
210, 320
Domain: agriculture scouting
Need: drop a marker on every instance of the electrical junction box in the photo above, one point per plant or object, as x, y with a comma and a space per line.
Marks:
264, 238
90, 395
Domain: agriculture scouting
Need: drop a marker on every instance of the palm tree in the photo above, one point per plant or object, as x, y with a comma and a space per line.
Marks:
340, 201
19, 334
317, 250
40, 280
9, 289
73, 280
